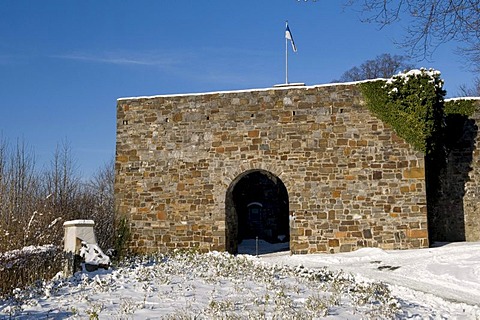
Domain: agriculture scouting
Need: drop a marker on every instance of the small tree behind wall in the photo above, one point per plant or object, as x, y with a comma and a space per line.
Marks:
383, 66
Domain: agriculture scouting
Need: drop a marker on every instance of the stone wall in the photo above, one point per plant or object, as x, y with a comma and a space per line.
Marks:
454, 210
351, 182
472, 187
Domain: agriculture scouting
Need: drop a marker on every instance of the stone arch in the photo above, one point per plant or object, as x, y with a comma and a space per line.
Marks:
256, 205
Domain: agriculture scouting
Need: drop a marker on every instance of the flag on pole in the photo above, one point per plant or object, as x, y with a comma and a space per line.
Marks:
288, 35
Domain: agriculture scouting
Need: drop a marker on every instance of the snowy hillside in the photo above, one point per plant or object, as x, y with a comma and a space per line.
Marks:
219, 285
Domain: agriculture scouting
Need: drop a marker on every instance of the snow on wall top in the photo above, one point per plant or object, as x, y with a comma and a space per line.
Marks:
463, 98
279, 87
293, 85
78, 222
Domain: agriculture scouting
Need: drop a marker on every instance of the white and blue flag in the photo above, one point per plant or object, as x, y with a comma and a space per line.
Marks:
288, 35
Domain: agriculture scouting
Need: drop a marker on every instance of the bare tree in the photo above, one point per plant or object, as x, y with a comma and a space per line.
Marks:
62, 182
99, 204
383, 66
34, 205
3, 181
474, 91
430, 23
19, 191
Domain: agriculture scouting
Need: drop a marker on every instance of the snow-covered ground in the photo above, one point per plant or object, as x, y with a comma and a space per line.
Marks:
445, 278
435, 283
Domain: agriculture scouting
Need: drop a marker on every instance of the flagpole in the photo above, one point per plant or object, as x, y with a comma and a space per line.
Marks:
286, 56
288, 37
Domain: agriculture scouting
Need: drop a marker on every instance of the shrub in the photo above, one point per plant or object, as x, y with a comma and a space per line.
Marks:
21, 268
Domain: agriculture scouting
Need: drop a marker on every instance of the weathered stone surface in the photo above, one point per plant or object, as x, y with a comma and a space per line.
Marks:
351, 181
455, 206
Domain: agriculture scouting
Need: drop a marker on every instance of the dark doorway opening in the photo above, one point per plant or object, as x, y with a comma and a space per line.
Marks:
257, 208
447, 173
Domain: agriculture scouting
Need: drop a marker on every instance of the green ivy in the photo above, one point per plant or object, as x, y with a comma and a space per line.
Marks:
462, 107
412, 103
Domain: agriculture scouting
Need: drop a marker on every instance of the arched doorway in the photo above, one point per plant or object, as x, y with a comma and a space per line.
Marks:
256, 205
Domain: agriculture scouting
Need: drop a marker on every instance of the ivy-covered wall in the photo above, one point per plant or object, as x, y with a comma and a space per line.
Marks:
412, 103
446, 132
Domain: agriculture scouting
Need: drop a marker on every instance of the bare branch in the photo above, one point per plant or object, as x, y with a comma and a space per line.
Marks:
430, 23
383, 66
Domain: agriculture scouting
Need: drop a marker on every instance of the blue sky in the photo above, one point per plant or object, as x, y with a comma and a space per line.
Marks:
63, 64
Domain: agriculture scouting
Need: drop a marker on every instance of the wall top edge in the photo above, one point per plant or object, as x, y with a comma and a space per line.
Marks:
276, 87
463, 98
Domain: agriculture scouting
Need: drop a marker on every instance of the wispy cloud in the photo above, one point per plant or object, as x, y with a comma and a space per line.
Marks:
185, 56
123, 58
222, 65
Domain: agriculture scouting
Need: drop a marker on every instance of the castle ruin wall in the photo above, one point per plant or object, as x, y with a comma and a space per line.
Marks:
351, 181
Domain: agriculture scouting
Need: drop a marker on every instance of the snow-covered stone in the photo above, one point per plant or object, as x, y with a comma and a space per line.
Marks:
93, 255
